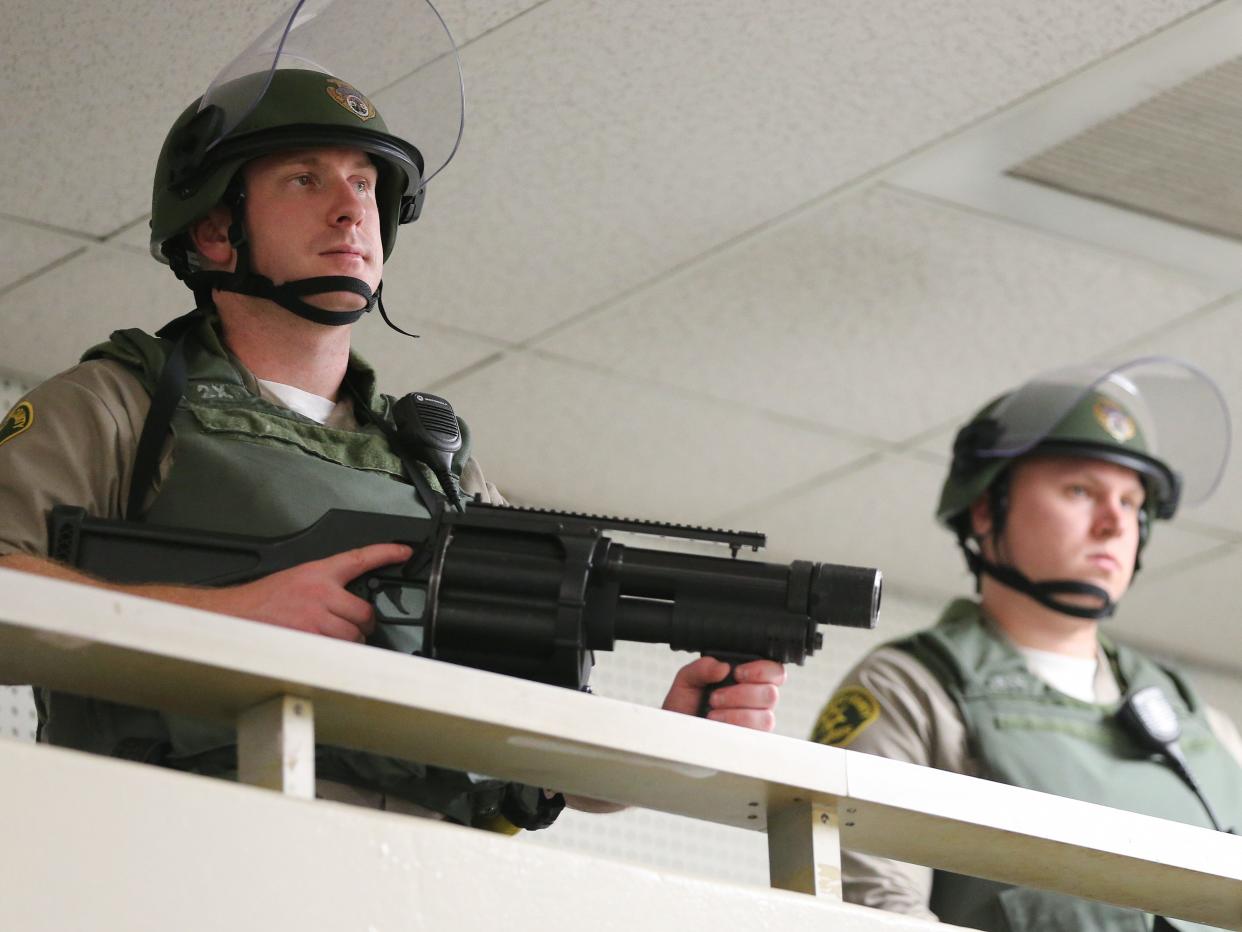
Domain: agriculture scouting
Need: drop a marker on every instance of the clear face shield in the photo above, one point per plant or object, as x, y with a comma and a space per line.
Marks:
1179, 412
398, 54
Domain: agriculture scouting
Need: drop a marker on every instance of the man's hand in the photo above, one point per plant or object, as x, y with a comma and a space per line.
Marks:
311, 597
751, 703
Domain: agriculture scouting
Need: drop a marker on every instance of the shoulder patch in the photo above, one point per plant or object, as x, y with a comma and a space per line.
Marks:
18, 421
847, 713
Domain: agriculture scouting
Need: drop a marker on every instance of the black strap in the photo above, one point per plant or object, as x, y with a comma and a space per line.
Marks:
169, 391
289, 294
379, 299
1045, 593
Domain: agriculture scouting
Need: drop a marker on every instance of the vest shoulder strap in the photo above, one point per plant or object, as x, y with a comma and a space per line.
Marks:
141, 353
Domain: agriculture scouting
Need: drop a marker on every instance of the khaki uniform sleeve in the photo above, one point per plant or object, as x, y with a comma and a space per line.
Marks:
77, 448
890, 705
473, 483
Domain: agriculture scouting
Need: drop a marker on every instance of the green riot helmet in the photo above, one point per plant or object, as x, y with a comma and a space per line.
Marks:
303, 83
1161, 417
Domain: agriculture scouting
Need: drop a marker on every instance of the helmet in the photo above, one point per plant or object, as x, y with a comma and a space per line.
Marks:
299, 109
1159, 416
279, 94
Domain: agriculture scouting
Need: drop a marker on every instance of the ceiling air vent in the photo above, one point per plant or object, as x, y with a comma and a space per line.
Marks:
1176, 156
1139, 153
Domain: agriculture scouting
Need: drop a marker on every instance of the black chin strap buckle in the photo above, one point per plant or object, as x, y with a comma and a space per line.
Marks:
412, 206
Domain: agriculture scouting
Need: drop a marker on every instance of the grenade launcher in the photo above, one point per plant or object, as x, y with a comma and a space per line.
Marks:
525, 592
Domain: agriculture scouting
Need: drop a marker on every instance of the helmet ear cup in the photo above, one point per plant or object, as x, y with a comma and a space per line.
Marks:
187, 147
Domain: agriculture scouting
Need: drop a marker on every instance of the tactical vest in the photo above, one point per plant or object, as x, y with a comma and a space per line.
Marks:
242, 465
1025, 733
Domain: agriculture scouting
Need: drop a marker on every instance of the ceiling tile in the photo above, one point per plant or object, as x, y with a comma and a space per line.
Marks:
406, 365
1190, 614
939, 444
553, 434
607, 143
94, 88
880, 515
49, 322
469, 19
25, 249
136, 235
883, 314
1171, 546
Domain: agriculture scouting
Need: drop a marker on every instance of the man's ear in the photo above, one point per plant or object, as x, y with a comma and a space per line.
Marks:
210, 237
981, 516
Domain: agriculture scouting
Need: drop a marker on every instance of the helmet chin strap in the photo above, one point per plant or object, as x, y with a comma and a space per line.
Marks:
245, 280
1045, 593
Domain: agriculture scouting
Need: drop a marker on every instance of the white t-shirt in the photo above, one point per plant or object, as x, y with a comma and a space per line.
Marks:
315, 407
1074, 676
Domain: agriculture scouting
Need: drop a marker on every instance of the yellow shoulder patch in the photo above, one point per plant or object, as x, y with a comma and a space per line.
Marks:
847, 713
18, 420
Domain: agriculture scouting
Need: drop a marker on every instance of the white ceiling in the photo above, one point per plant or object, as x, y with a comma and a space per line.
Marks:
679, 268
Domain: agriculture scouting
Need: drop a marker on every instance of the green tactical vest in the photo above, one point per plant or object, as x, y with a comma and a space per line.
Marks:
242, 465
1025, 733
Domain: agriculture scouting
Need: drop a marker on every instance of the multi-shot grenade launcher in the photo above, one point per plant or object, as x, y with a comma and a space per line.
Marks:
525, 592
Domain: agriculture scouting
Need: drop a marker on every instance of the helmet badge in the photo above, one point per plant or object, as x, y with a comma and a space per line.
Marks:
351, 99
1120, 426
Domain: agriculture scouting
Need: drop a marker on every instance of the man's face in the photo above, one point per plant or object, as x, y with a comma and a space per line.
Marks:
312, 212
1070, 518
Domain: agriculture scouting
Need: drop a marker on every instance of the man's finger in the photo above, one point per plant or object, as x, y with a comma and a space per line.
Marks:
335, 627
760, 671
350, 564
762, 696
702, 672
356, 611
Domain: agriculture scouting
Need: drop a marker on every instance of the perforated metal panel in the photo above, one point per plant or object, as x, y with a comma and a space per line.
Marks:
17, 711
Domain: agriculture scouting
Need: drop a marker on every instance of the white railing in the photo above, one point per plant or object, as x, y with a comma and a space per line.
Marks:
285, 691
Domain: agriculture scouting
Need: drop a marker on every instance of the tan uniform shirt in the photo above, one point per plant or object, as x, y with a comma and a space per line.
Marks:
76, 445
917, 722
